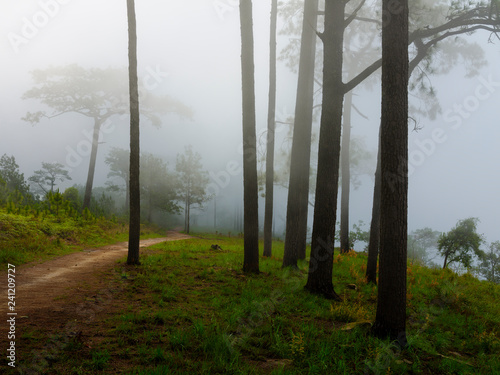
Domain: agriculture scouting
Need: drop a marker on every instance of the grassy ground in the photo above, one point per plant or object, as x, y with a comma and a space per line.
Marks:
25, 239
188, 309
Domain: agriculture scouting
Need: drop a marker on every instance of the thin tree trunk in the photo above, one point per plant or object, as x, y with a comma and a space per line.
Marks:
390, 318
135, 193
268, 214
298, 188
319, 279
445, 261
93, 158
188, 213
346, 175
373, 245
250, 187
150, 206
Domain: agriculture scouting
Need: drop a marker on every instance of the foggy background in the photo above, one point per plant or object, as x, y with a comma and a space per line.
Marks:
191, 51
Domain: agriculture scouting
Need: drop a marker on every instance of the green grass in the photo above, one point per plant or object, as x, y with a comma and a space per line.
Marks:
189, 309
30, 238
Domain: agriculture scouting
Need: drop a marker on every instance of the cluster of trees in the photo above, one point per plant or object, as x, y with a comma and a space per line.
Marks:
160, 188
411, 34
38, 194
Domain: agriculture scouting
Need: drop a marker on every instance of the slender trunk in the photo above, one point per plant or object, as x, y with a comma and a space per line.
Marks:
250, 187
135, 193
127, 194
150, 206
445, 261
390, 318
93, 158
298, 188
346, 175
268, 214
373, 245
319, 279
188, 212
215, 213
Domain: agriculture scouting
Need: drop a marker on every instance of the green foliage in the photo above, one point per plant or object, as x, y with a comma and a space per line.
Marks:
95, 93
420, 241
10, 176
489, 267
158, 185
458, 244
44, 180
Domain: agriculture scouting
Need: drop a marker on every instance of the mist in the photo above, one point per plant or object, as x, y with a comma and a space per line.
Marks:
191, 51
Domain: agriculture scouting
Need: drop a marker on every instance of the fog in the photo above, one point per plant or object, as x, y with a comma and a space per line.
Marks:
191, 51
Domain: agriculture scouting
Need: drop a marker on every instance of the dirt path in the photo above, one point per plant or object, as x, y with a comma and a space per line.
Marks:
47, 293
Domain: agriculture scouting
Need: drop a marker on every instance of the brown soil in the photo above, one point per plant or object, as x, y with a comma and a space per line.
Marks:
65, 297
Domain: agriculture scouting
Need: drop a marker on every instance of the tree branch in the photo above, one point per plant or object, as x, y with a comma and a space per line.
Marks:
354, 14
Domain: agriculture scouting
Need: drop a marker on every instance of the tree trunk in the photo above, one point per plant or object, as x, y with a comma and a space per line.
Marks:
188, 212
250, 187
390, 318
346, 175
135, 193
445, 261
268, 214
373, 245
319, 279
298, 188
93, 158
215, 213
186, 215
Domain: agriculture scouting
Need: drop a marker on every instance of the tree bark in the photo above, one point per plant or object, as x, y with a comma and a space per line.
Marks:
250, 187
346, 175
319, 279
390, 318
445, 260
135, 193
373, 245
271, 114
298, 188
93, 158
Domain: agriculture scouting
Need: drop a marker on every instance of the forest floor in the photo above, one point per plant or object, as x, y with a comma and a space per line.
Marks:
62, 295
189, 309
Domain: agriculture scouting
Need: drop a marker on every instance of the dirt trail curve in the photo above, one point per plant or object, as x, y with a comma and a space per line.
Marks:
38, 286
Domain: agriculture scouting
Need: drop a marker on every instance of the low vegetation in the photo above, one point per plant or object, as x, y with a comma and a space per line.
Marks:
37, 236
189, 309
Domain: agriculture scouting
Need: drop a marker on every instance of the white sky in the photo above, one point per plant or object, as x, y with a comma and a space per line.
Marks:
200, 50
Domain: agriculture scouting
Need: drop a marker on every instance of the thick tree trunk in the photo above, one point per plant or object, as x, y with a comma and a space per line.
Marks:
298, 188
390, 318
135, 193
93, 158
319, 279
346, 175
268, 214
373, 245
250, 187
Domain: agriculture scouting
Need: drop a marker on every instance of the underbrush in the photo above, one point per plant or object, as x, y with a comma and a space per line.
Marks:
26, 238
